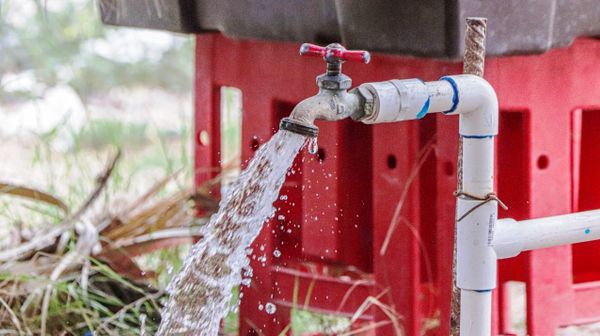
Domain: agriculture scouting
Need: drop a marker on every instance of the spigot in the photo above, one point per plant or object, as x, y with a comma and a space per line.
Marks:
335, 55
333, 101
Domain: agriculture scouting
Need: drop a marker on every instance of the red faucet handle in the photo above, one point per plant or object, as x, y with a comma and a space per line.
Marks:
335, 53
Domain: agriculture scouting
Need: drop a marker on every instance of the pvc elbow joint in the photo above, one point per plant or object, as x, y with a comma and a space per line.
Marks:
477, 104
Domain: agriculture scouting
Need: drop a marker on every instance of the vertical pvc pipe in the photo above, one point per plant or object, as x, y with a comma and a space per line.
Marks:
478, 164
473, 183
476, 218
476, 313
473, 63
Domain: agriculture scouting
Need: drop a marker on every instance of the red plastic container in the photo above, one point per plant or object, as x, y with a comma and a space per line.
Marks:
332, 238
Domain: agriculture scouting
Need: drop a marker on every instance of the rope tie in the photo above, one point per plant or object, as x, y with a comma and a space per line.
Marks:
488, 198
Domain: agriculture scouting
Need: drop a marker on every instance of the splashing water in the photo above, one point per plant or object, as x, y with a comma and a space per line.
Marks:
200, 293
313, 146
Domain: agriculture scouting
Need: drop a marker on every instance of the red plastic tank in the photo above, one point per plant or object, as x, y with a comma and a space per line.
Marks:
332, 238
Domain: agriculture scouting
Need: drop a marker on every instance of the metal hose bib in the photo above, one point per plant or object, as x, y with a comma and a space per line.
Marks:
333, 102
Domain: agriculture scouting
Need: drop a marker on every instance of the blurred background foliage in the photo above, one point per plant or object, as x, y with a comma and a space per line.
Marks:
44, 43
72, 93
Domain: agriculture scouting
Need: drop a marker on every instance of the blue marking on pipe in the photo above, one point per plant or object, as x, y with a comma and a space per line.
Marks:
424, 109
483, 290
587, 231
477, 136
455, 96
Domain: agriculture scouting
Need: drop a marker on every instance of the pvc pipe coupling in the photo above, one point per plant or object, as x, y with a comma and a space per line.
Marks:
394, 100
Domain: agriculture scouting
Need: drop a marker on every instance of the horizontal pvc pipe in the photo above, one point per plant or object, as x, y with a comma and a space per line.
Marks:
475, 313
441, 96
396, 100
513, 237
470, 96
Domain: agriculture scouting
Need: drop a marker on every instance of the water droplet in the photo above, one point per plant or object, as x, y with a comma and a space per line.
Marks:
260, 306
277, 253
283, 197
270, 308
313, 146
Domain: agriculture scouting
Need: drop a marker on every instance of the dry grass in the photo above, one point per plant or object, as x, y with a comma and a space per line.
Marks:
81, 275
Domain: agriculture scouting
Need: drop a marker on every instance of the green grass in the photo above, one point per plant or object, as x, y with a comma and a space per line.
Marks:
101, 133
77, 310
304, 321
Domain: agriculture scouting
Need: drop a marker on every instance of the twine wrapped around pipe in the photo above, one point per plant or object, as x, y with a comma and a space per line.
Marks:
488, 198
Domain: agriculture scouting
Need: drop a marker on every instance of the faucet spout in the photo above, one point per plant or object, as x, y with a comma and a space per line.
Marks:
330, 105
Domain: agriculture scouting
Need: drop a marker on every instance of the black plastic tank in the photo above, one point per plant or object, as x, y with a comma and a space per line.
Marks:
428, 28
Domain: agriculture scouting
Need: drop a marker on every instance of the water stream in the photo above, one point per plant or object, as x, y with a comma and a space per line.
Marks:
200, 293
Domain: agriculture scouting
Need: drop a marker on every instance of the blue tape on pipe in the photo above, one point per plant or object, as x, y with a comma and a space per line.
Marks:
424, 109
483, 290
477, 136
454, 97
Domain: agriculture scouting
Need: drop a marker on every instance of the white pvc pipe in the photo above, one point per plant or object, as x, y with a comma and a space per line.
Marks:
481, 238
475, 313
477, 106
397, 100
476, 262
441, 94
470, 96
476, 259
474, 99
513, 237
